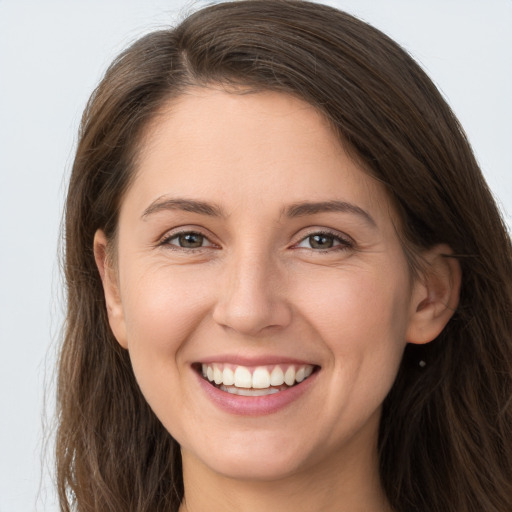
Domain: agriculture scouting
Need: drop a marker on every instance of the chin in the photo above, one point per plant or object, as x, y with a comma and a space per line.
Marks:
254, 459
261, 469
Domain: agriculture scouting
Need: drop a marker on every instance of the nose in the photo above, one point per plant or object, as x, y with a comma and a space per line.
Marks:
252, 299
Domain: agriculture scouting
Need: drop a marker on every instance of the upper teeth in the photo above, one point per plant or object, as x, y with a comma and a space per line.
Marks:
260, 377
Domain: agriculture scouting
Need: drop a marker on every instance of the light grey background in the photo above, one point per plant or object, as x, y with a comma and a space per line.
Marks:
52, 54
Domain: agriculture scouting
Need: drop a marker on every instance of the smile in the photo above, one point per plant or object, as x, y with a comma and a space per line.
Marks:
255, 381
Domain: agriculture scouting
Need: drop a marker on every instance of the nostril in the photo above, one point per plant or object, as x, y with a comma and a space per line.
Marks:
252, 319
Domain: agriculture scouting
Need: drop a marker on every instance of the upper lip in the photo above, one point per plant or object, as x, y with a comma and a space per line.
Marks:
240, 360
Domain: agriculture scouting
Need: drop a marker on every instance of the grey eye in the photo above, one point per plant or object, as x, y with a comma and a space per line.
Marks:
190, 240
324, 241
320, 241
187, 240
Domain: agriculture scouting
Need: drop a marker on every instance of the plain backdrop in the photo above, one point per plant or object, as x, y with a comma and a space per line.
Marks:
52, 54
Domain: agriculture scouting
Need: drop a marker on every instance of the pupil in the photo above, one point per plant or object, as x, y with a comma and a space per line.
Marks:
320, 242
191, 240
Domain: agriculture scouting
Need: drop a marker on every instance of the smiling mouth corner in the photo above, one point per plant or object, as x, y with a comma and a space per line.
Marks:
254, 381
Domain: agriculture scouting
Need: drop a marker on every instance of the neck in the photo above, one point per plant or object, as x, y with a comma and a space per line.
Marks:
351, 486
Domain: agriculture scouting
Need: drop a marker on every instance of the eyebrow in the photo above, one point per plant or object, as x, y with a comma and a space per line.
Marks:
188, 205
311, 208
301, 209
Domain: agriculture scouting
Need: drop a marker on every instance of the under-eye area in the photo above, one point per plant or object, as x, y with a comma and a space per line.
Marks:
254, 381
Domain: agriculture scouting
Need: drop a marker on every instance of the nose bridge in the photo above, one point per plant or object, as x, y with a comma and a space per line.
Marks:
253, 298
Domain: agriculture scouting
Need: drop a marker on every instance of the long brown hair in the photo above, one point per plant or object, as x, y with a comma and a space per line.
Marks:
446, 429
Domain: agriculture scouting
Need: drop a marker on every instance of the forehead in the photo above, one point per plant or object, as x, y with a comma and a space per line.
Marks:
246, 149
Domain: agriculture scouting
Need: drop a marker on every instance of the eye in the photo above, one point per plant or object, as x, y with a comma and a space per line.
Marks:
324, 241
187, 240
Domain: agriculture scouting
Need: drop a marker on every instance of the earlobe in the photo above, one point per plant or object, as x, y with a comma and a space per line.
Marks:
110, 287
435, 295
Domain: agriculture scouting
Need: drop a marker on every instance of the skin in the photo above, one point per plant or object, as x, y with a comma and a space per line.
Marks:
258, 287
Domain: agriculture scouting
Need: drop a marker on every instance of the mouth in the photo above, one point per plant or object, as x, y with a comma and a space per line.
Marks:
254, 381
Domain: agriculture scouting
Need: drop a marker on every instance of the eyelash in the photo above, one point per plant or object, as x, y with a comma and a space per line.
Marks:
166, 241
344, 243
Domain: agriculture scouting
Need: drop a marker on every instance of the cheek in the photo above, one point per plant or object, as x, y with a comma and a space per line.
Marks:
368, 304
362, 321
362, 318
163, 308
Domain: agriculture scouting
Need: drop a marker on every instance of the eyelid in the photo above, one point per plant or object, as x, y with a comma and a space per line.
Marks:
345, 241
184, 230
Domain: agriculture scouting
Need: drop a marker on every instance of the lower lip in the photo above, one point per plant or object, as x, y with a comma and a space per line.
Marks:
255, 405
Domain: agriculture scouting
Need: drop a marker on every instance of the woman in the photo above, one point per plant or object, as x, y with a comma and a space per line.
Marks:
288, 283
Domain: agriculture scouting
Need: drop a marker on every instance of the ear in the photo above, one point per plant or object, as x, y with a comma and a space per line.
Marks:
110, 288
435, 295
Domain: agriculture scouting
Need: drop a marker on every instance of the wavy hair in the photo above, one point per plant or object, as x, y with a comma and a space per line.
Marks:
445, 442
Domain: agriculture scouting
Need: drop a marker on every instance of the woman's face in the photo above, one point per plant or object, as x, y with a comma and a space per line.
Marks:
251, 248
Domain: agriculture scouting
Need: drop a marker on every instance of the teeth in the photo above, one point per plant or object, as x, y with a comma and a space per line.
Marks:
260, 380
249, 392
277, 377
289, 376
217, 375
228, 377
243, 377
